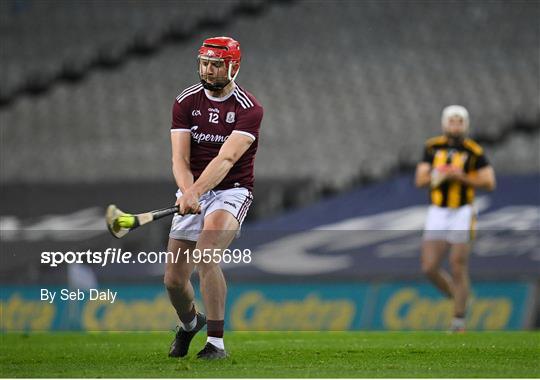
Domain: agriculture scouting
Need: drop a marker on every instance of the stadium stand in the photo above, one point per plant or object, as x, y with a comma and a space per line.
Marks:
352, 100
71, 36
518, 154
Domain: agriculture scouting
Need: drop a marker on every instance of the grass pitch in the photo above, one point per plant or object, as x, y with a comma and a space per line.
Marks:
283, 354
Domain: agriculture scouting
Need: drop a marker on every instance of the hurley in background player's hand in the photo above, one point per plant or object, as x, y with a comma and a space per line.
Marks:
188, 203
439, 175
446, 173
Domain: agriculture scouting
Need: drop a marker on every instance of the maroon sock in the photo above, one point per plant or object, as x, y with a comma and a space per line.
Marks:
215, 328
187, 317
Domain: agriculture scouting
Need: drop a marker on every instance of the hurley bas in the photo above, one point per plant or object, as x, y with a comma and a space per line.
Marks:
79, 295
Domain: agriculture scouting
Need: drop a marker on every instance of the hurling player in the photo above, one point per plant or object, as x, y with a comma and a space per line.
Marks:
214, 136
453, 166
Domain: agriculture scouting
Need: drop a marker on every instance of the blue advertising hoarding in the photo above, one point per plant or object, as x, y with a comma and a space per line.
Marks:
272, 307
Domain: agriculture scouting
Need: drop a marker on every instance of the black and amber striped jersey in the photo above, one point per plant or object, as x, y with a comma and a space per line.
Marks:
466, 155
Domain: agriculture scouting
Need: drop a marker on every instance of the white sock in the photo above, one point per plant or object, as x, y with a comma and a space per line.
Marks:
458, 323
191, 325
218, 342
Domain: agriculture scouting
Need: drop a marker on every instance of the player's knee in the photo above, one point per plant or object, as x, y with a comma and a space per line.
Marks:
206, 268
458, 267
458, 270
213, 224
429, 269
213, 237
173, 282
218, 227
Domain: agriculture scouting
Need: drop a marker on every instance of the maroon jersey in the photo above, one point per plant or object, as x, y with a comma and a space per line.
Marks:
211, 121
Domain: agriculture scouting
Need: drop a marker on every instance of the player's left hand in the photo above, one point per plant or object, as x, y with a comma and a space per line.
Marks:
188, 203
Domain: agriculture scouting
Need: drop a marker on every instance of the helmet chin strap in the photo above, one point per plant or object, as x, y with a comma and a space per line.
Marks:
229, 73
213, 86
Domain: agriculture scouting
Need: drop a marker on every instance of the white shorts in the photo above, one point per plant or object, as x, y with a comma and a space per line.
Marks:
454, 225
236, 201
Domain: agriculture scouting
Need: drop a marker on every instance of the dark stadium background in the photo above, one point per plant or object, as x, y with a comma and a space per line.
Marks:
351, 90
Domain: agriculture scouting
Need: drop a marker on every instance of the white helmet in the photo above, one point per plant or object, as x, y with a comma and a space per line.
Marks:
455, 110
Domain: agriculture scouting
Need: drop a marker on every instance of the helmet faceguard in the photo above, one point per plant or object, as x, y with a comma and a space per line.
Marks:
221, 51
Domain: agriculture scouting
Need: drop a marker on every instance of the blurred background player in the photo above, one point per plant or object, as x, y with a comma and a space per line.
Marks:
453, 166
214, 137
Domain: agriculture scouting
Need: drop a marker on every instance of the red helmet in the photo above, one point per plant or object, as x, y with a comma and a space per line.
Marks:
226, 50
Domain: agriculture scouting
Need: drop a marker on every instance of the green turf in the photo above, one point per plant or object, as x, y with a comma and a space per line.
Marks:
295, 354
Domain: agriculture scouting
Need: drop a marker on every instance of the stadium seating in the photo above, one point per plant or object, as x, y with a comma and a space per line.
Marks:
41, 38
350, 89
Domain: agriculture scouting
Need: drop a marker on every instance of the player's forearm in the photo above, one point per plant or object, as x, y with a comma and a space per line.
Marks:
423, 180
479, 182
212, 175
182, 174
422, 177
